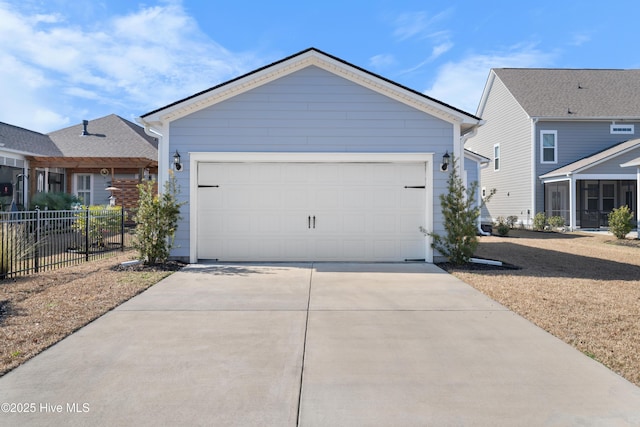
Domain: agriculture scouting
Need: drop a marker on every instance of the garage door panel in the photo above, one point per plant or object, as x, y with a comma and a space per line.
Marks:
261, 212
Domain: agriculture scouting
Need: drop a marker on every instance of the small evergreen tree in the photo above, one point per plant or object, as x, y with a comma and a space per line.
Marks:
157, 220
460, 219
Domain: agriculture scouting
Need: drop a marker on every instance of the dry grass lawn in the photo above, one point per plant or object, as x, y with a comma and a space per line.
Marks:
583, 288
39, 310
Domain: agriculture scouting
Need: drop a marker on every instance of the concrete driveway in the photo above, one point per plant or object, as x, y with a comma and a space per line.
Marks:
324, 344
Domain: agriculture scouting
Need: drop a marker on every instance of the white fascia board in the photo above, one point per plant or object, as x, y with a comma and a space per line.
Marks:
419, 102
17, 154
605, 177
284, 157
634, 162
485, 93
555, 179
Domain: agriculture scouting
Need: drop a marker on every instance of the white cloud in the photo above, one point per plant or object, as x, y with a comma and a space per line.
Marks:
140, 61
461, 83
382, 61
418, 24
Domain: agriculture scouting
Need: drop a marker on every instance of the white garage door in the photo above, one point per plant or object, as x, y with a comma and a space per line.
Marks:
311, 211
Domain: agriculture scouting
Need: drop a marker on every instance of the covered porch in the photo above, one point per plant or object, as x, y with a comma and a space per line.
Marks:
586, 191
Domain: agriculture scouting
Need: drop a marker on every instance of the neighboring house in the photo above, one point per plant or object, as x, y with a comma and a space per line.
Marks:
16, 144
83, 160
556, 139
308, 159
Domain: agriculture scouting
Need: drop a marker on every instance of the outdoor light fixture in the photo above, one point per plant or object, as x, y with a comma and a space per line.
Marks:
445, 161
176, 161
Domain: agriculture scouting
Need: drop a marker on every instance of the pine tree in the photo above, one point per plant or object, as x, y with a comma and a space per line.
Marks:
460, 216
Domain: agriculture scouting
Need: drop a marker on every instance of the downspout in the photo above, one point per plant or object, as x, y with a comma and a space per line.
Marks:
163, 152
463, 140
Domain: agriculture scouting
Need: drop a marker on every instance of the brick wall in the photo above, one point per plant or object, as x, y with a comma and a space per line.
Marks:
128, 194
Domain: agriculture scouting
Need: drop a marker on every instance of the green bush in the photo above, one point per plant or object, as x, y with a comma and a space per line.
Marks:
539, 221
157, 221
556, 221
53, 201
103, 220
502, 226
620, 221
15, 245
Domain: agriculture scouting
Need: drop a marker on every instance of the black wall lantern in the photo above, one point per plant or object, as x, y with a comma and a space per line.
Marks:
176, 161
445, 161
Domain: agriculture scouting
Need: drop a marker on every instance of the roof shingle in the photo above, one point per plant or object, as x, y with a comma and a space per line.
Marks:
574, 93
109, 136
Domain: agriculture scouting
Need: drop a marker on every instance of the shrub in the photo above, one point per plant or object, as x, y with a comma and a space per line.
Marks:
53, 201
511, 221
15, 245
620, 222
460, 219
157, 221
539, 221
103, 220
502, 226
556, 221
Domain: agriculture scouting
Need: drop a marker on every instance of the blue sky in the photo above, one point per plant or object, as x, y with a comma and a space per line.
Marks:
64, 61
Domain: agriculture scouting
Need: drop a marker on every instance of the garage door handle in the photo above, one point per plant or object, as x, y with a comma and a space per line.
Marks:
309, 221
314, 221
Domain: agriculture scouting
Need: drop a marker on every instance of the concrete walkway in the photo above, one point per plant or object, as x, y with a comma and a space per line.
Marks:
326, 344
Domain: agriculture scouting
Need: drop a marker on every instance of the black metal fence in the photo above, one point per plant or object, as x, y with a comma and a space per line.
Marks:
35, 241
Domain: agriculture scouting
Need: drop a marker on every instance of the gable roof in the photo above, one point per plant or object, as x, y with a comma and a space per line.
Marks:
109, 136
26, 141
472, 155
572, 93
305, 58
593, 160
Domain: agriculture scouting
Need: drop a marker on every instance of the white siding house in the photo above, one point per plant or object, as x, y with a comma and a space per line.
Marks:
308, 159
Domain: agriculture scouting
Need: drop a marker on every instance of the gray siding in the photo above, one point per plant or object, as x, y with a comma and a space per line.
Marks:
310, 110
472, 176
613, 166
508, 125
577, 140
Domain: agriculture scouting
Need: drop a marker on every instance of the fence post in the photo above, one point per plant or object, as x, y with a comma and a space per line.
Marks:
86, 234
36, 261
122, 229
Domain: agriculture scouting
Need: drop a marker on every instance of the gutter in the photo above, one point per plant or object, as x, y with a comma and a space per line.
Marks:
147, 128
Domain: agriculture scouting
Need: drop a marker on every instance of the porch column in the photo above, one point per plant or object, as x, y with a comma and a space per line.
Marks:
572, 203
638, 202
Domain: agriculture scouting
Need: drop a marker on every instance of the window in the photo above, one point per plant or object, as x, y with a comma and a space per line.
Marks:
549, 146
83, 188
496, 157
622, 129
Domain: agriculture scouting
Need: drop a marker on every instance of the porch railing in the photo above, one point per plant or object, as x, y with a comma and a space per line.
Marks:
593, 218
35, 241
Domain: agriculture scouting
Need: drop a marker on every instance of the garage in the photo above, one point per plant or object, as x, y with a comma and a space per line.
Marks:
311, 211
309, 158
